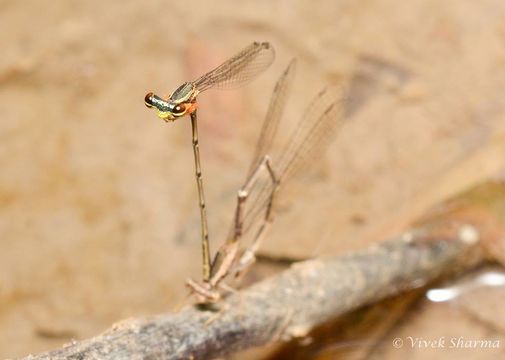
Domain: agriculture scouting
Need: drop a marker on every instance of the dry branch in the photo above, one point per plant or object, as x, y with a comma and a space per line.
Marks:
289, 304
307, 294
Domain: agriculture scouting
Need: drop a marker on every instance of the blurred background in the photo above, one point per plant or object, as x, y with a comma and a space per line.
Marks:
98, 203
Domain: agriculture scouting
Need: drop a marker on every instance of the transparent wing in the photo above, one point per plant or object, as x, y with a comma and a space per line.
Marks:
274, 114
318, 126
321, 120
239, 69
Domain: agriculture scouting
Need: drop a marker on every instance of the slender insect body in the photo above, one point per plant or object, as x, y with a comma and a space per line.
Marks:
235, 72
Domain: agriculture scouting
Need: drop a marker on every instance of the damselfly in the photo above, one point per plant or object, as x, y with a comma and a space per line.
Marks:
311, 137
236, 71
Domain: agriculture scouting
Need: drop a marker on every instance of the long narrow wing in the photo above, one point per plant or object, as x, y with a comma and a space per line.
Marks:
321, 120
316, 129
273, 115
239, 69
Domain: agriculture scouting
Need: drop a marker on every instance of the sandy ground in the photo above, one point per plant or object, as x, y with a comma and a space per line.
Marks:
98, 215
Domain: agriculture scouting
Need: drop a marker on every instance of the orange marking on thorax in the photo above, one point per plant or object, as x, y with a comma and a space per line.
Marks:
191, 108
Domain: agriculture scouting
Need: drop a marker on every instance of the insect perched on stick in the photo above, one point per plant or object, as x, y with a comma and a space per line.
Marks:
234, 72
315, 130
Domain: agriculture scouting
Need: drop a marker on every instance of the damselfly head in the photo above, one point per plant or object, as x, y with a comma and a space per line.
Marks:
164, 108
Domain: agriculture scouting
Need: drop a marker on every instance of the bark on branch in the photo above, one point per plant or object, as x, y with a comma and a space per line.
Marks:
307, 294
